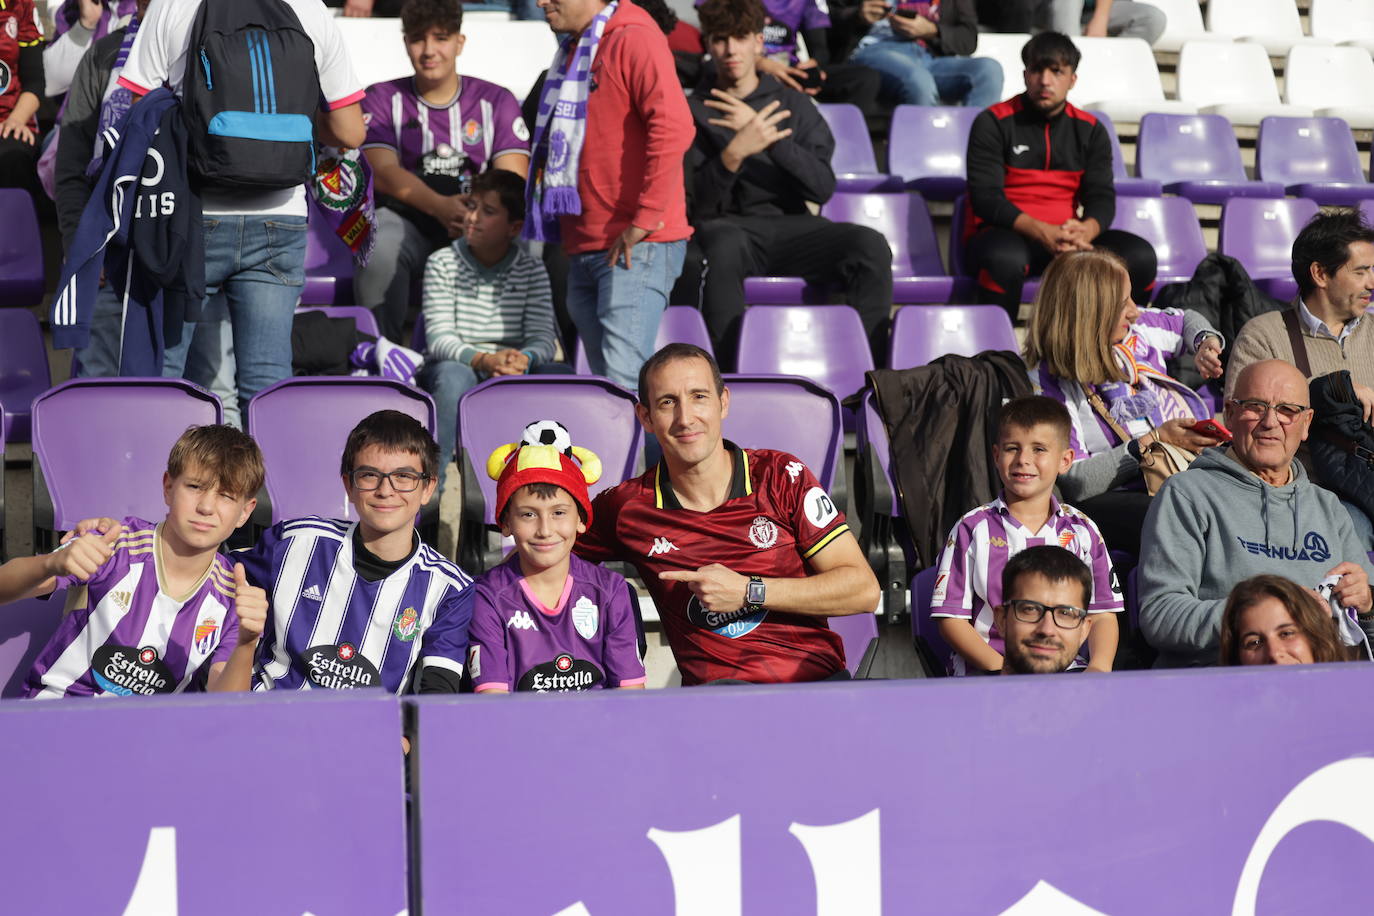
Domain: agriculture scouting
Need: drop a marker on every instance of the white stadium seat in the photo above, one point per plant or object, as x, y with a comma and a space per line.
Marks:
1233, 79
1346, 22
1272, 24
1184, 24
1005, 48
1336, 82
376, 48
1119, 76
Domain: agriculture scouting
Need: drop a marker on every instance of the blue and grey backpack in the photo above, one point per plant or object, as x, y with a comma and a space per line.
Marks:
250, 96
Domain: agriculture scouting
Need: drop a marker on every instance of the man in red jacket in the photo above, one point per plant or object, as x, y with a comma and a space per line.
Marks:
606, 176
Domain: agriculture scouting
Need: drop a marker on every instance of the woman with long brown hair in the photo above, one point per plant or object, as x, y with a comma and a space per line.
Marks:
1270, 620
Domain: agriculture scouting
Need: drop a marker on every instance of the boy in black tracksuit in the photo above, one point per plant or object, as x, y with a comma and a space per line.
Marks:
761, 152
1033, 161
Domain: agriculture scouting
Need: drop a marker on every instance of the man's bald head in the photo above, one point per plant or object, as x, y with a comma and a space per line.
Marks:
1269, 416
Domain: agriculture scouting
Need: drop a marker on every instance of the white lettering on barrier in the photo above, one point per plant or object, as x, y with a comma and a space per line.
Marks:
705, 867
155, 892
1047, 900
846, 862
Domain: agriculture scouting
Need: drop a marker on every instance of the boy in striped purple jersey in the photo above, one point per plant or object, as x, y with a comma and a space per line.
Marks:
365, 603
151, 605
1032, 450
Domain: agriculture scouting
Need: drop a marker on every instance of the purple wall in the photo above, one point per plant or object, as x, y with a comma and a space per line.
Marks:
281, 804
1133, 793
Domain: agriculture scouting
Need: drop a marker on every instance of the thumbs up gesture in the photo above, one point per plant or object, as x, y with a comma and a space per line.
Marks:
82, 557
718, 588
250, 603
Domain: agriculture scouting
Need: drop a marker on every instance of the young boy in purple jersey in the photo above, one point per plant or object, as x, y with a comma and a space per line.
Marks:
152, 604
545, 620
1032, 450
365, 603
428, 135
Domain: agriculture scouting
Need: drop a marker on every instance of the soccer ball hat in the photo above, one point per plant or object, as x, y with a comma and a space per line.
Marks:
538, 458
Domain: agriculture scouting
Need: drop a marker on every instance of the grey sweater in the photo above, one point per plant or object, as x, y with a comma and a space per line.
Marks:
1215, 524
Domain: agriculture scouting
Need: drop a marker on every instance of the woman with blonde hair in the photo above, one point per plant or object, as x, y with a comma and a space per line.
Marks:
1091, 348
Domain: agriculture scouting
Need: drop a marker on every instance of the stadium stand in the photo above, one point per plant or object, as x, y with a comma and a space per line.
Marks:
859, 632
301, 425
925, 633
3, 555
24, 372
1314, 158
918, 275
328, 265
21, 251
363, 318
853, 161
1274, 25
1334, 82
1197, 157
25, 628
1260, 234
1129, 185
1005, 48
1233, 79
1344, 22
1184, 24
922, 333
792, 414
679, 324
1171, 225
94, 440
928, 148
1120, 77
823, 343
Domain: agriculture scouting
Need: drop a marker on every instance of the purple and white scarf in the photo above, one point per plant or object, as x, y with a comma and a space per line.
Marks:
559, 131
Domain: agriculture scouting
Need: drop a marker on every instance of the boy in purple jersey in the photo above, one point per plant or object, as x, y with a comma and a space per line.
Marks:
545, 620
1032, 450
365, 603
427, 136
151, 605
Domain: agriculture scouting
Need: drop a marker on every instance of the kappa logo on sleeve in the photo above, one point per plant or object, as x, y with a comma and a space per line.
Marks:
794, 469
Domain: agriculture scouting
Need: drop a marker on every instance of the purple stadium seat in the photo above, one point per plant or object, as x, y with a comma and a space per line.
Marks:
302, 424
23, 369
1367, 208
328, 265
924, 630
679, 324
859, 633
922, 333
793, 415
134, 421
21, 251
856, 168
918, 275
883, 534
363, 317
824, 343
1125, 184
1260, 234
25, 628
963, 277
599, 416
1197, 157
783, 291
928, 148
3, 556
1314, 158
1171, 225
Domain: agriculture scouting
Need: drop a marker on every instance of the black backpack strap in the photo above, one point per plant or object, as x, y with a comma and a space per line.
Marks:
1290, 321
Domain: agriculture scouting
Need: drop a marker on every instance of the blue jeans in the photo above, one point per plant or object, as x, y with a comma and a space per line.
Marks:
258, 262
913, 76
446, 380
100, 357
617, 309
208, 348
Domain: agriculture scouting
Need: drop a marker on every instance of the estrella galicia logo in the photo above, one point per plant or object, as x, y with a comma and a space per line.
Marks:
561, 675
1314, 549
731, 624
126, 671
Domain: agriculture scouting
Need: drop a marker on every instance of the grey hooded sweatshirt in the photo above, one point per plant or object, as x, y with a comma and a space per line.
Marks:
1216, 524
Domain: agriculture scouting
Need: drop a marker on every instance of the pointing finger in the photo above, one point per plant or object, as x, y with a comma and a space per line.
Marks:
680, 575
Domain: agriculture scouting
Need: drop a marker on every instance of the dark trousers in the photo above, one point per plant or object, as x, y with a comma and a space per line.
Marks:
1001, 259
19, 165
812, 247
858, 86
1119, 516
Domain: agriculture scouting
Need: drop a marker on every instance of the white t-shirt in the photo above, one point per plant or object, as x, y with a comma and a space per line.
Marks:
159, 56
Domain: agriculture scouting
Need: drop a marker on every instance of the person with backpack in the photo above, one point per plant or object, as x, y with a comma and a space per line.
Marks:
251, 75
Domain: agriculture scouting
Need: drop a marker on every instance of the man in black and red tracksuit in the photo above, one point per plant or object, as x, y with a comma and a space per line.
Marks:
1035, 161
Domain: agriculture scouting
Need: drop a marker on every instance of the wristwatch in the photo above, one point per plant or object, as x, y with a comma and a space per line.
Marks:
754, 594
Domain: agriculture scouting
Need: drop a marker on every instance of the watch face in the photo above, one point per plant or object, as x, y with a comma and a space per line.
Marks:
753, 593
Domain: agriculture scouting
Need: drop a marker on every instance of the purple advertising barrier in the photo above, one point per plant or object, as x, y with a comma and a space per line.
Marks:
240, 804
1208, 792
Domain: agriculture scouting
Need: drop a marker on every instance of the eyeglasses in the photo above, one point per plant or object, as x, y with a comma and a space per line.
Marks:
401, 481
1253, 409
1066, 616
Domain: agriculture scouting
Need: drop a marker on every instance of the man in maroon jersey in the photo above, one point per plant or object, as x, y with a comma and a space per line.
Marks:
743, 551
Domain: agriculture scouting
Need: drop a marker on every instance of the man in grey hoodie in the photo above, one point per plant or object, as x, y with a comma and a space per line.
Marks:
1240, 511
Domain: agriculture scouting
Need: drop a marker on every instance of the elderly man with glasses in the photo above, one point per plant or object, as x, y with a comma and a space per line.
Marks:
1239, 511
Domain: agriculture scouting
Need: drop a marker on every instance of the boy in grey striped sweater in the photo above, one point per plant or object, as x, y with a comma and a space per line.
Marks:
487, 305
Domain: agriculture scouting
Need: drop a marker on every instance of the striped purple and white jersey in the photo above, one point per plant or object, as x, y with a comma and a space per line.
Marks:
329, 627
445, 142
125, 635
969, 581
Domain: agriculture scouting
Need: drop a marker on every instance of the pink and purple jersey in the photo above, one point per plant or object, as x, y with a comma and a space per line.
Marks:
125, 635
446, 145
969, 581
587, 642
328, 627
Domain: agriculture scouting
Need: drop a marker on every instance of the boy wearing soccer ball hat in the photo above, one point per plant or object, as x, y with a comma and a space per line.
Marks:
545, 620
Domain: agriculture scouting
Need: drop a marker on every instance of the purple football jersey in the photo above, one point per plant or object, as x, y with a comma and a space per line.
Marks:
126, 635
587, 642
445, 145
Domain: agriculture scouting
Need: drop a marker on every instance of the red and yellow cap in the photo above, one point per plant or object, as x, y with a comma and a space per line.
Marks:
515, 465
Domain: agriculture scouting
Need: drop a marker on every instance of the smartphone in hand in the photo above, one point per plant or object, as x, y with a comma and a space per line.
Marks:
1210, 427
813, 79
